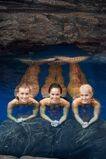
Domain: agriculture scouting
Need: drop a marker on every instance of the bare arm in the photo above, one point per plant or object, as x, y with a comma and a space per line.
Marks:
75, 105
43, 113
65, 113
35, 110
66, 105
96, 112
10, 107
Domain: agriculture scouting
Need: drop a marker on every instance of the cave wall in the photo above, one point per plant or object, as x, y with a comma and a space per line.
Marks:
26, 24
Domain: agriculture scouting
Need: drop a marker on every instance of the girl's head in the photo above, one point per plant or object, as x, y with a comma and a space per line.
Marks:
86, 93
55, 92
22, 93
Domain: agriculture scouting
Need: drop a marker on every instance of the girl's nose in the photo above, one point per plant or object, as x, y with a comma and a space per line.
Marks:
24, 95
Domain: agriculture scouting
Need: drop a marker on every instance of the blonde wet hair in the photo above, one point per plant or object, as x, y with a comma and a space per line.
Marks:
21, 86
87, 87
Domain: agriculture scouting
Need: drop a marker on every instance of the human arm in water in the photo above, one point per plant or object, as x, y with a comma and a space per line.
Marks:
55, 123
43, 106
35, 105
10, 107
66, 106
15, 103
96, 106
96, 113
75, 105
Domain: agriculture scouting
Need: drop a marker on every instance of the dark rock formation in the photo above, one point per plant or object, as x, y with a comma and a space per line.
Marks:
30, 157
7, 157
26, 24
23, 157
38, 138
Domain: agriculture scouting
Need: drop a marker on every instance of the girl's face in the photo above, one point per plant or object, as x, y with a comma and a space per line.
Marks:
23, 95
55, 95
86, 96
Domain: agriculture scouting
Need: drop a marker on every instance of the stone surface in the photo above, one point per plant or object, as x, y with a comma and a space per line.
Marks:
26, 24
23, 157
7, 157
29, 157
38, 138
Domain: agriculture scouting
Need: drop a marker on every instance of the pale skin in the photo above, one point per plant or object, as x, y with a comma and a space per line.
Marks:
23, 97
53, 100
86, 98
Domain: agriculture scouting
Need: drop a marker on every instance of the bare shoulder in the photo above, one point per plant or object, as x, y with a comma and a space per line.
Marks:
95, 103
45, 101
76, 101
64, 102
13, 102
33, 100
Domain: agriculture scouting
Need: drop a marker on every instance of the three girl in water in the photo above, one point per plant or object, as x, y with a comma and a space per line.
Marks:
54, 108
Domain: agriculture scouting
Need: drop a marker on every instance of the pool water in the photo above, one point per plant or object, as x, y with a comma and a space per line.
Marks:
12, 71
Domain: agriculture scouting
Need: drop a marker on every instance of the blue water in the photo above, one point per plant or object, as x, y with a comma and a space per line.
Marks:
12, 70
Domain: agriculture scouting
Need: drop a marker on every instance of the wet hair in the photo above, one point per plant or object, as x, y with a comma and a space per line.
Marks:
21, 86
88, 87
55, 85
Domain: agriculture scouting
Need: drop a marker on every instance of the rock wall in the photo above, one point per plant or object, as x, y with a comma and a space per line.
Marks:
38, 138
26, 24
23, 157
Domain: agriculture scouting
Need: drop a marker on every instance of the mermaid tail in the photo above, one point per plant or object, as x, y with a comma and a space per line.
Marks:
77, 78
66, 59
30, 78
54, 76
55, 60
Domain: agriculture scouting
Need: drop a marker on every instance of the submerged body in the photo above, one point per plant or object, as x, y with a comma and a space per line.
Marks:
24, 99
85, 108
54, 103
